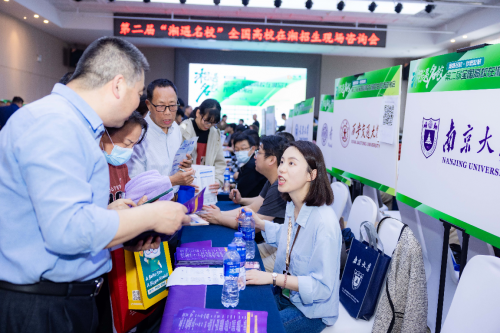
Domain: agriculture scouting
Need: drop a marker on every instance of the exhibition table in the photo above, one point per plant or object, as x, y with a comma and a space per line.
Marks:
257, 298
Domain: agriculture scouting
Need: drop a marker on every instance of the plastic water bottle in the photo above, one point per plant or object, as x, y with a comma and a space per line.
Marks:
248, 228
241, 218
241, 249
227, 181
230, 292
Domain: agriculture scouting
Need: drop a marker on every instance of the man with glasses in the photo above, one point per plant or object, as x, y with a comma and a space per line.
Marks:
157, 150
250, 181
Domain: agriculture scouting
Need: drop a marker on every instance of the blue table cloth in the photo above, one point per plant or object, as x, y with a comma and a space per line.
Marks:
257, 298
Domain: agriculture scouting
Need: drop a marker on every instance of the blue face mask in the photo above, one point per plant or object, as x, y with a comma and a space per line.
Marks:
119, 155
242, 156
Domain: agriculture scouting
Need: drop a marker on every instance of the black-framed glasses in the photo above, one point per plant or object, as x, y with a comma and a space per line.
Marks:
162, 108
208, 122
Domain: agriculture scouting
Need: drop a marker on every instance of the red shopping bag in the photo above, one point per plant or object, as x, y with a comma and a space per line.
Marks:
123, 318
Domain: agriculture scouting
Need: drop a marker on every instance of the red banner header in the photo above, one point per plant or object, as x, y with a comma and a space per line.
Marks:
248, 32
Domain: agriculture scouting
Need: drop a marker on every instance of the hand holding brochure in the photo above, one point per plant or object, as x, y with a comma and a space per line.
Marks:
186, 148
205, 176
193, 205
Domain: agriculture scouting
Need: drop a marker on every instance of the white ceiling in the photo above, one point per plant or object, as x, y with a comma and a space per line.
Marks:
409, 35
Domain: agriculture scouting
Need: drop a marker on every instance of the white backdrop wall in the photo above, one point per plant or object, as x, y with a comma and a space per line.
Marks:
20, 72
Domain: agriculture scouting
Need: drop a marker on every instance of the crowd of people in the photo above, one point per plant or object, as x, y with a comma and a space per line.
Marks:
77, 165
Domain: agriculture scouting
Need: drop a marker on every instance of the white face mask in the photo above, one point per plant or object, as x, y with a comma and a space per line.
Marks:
242, 156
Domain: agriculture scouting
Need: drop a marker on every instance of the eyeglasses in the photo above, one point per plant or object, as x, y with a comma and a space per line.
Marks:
206, 122
162, 108
257, 152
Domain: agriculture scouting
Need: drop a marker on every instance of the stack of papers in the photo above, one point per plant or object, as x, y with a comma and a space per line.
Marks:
200, 256
195, 276
219, 320
196, 220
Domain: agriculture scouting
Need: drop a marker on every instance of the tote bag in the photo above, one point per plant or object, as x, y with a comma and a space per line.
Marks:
364, 274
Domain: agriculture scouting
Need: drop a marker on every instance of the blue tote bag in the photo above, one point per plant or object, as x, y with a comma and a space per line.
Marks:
364, 274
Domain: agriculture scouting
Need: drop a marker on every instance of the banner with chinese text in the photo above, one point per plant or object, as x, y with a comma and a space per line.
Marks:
289, 123
324, 139
450, 165
303, 120
259, 32
270, 121
366, 128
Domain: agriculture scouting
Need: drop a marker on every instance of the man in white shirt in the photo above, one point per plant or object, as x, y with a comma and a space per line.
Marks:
157, 150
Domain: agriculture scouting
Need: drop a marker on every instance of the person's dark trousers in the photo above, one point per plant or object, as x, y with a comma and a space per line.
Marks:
22, 312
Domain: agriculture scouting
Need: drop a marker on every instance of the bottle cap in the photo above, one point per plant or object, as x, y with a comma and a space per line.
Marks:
248, 213
231, 247
238, 234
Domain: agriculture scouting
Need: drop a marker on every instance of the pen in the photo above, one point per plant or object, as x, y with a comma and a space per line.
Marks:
159, 196
182, 170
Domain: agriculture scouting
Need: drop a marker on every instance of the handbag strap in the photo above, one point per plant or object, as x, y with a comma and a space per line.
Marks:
372, 234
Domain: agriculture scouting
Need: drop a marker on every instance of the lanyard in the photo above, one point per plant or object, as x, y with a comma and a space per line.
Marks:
288, 250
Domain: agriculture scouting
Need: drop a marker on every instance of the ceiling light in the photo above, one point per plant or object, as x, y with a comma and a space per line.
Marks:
217, 2
245, 2
45, 21
277, 3
372, 6
464, 36
6, 0
429, 8
398, 8
309, 4
453, 41
36, 16
25, 17
341, 5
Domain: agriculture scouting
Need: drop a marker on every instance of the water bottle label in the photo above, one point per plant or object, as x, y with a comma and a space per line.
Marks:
230, 269
242, 251
226, 177
248, 234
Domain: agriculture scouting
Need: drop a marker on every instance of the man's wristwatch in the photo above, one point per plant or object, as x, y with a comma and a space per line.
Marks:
274, 275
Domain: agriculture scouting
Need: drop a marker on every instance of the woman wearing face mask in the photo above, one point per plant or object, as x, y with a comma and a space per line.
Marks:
250, 182
117, 145
208, 150
306, 272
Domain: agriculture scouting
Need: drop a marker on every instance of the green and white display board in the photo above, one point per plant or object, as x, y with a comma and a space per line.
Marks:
324, 139
366, 128
270, 121
450, 164
303, 120
289, 123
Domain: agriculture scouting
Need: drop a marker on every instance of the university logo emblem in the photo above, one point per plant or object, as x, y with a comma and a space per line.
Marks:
324, 134
356, 280
344, 133
429, 136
